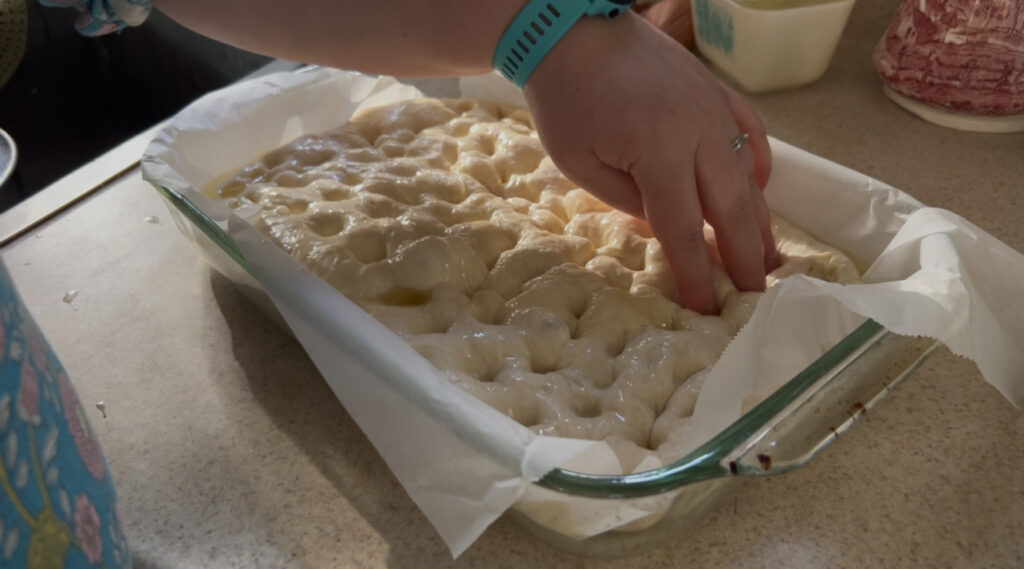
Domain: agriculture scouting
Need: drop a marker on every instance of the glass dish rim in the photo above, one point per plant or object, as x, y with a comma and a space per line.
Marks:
708, 461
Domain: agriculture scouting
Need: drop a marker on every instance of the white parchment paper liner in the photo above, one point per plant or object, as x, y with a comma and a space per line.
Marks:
931, 273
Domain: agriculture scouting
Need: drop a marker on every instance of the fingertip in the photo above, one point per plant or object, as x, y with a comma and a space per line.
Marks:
752, 280
695, 281
703, 302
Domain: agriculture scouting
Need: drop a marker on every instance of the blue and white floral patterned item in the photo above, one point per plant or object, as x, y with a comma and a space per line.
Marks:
99, 17
58, 509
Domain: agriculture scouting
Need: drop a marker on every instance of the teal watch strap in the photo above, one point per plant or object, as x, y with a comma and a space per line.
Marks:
537, 29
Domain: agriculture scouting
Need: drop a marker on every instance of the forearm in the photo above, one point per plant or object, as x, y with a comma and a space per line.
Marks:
395, 37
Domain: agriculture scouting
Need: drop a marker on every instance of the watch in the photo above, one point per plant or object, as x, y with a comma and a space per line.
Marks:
537, 29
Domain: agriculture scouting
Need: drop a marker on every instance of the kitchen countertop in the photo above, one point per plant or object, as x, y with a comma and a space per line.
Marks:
229, 450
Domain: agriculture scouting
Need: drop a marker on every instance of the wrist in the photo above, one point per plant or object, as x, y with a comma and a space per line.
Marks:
592, 42
540, 26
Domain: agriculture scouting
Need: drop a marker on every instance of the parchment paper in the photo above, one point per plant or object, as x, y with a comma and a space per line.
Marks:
931, 273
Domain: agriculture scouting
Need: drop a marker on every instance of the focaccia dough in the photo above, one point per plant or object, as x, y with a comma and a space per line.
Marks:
447, 222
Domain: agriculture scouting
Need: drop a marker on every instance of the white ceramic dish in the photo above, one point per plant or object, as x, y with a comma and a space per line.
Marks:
8, 156
958, 121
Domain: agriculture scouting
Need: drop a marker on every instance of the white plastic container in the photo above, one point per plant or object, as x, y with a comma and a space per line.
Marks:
767, 45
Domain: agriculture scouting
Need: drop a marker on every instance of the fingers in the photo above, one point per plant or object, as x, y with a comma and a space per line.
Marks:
672, 208
757, 146
729, 207
748, 122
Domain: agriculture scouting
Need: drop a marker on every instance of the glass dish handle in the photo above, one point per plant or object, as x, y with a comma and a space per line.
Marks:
823, 413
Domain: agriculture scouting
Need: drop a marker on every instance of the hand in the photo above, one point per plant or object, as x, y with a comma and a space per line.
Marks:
674, 17
632, 117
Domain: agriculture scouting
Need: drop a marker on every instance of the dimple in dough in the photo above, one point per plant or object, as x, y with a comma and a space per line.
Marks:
446, 221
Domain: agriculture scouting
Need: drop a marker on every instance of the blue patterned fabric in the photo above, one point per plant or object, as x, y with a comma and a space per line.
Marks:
99, 17
58, 509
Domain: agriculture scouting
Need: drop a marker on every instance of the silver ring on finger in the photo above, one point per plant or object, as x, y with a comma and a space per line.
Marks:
738, 142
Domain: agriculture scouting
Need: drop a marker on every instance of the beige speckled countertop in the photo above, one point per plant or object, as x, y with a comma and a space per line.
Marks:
230, 451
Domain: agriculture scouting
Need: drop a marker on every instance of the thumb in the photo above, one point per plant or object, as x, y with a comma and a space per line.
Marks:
611, 185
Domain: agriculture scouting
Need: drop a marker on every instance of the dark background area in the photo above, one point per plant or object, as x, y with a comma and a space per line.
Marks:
73, 98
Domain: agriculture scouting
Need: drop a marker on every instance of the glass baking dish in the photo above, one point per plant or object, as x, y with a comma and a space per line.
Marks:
785, 431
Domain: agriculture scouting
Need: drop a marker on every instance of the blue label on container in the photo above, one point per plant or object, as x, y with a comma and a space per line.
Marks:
714, 26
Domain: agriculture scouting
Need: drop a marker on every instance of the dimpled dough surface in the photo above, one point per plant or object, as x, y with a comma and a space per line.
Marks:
447, 222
